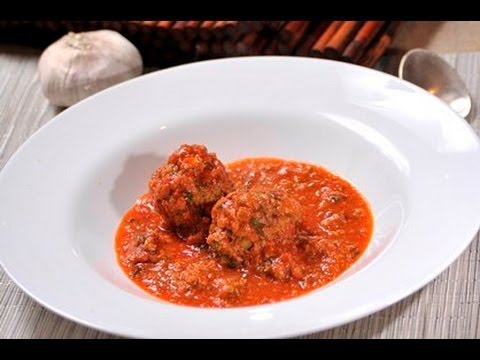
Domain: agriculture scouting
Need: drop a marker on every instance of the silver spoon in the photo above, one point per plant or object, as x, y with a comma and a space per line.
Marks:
429, 71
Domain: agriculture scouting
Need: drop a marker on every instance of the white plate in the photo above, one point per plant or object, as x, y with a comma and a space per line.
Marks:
65, 190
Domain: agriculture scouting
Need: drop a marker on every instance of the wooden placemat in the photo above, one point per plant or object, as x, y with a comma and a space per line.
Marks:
448, 307
167, 43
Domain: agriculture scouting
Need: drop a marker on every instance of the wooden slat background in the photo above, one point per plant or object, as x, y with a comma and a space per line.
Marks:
449, 307
168, 43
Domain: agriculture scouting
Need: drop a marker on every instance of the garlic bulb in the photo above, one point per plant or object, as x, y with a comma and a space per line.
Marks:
80, 64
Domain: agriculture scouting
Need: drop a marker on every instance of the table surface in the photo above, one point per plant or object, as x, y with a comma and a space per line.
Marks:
448, 307
440, 36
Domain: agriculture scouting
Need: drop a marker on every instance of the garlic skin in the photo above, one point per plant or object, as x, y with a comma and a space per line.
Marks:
81, 64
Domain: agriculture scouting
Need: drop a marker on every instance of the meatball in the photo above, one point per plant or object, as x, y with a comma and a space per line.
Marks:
254, 227
186, 188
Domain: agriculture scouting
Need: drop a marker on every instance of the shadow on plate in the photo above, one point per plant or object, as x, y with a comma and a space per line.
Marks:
128, 184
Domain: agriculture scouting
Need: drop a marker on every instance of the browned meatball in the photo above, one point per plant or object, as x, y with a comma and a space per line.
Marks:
187, 187
254, 227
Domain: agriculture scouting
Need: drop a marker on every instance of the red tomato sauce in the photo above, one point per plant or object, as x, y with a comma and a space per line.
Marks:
336, 221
